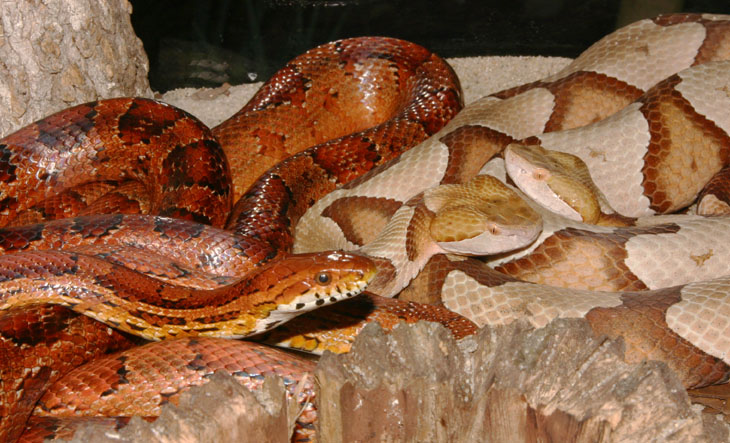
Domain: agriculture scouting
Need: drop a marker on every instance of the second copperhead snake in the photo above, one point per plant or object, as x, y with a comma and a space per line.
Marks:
453, 155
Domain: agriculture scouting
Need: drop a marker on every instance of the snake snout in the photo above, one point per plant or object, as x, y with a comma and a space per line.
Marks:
356, 263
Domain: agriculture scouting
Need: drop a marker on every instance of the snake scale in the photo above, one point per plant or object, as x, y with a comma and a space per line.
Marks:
399, 216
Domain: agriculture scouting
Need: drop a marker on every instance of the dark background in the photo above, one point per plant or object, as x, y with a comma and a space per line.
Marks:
205, 43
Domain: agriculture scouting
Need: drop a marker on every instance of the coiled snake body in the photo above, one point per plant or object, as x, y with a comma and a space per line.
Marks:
130, 155
644, 110
396, 213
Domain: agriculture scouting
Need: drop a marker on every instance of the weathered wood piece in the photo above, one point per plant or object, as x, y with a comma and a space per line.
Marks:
512, 383
59, 53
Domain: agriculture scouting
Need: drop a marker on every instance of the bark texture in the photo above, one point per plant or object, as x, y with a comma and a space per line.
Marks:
58, 53
507, 384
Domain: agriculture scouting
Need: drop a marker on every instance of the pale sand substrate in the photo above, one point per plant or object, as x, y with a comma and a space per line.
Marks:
479, 76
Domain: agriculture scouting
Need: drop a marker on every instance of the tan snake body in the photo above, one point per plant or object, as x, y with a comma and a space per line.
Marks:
685, 324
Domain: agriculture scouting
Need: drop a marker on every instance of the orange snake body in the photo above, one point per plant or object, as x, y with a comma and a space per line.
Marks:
136, 155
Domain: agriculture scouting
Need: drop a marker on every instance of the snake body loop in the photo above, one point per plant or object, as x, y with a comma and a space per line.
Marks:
129, 155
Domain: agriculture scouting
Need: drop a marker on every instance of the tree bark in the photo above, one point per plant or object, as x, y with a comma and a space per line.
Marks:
58, 53
505, 384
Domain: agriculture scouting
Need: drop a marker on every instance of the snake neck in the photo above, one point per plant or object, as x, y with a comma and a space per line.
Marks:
155, 310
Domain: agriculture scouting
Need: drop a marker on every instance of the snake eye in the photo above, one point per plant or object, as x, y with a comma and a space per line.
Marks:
323, 278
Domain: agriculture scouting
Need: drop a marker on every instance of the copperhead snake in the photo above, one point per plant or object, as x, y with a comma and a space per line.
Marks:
454, 155
567, 112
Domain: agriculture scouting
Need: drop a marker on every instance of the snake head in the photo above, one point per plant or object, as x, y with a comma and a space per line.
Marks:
271, 294
481, 217
302, 282
558, 181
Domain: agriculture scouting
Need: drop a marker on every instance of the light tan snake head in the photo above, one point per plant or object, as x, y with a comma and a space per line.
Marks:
560, 182
264, 298
481, 217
